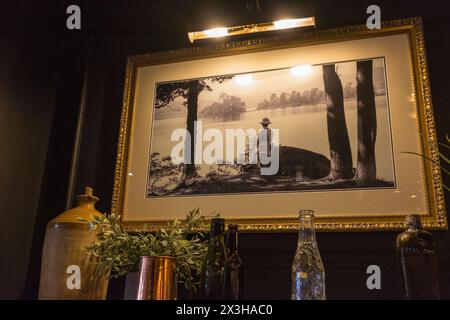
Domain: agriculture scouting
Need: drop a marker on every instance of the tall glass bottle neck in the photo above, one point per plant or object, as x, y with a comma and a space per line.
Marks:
306, 231
217, 228
233, 241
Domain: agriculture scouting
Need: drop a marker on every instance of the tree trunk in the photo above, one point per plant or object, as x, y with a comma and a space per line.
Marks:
340, 152
192, 106
366, 170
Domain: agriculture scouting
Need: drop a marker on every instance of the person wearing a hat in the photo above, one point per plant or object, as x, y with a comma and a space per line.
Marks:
265, 122
265, 136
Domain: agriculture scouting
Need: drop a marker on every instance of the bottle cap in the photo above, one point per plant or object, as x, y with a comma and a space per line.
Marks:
217, 225
413, 221
88, 196
306, 213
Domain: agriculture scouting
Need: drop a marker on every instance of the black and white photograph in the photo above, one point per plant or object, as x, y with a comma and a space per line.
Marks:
331, 123
250, 150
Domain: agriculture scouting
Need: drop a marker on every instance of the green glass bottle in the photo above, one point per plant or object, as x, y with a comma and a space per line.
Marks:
213, 280
416, 252
235, 267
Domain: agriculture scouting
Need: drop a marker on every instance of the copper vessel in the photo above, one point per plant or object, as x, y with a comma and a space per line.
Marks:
157, 279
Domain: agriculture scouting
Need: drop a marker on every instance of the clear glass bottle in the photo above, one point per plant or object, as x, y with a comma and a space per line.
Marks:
308, 274
213, 279
235, 267
416, 252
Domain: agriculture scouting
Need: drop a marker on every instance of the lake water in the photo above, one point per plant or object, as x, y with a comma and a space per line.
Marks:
306, 130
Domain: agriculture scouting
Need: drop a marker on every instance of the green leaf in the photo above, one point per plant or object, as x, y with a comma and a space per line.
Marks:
444, 145
118, 252
444, 157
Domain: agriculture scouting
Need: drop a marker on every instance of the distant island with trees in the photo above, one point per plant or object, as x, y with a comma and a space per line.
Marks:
230, 108
312, 97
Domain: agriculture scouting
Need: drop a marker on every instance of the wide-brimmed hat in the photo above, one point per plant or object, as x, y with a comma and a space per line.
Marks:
265, 121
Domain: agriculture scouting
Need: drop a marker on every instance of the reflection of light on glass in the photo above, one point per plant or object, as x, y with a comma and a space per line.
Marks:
130, 173
301, 71
287, 23
244, 80
413, 196
216, 32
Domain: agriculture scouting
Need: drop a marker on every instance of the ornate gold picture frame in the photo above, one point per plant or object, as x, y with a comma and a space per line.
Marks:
404, 183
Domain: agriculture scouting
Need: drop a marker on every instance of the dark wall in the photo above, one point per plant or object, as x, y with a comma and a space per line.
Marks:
267, 257
115, 29
26, 109
40, 80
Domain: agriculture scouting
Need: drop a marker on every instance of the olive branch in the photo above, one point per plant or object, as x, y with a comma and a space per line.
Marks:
117, 252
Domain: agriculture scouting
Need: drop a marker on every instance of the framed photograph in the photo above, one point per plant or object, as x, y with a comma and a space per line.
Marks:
328, 120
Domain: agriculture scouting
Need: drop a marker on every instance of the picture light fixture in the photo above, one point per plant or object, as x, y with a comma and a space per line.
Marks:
252, 28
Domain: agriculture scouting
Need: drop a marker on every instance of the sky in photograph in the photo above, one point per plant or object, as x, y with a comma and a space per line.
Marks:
264, 83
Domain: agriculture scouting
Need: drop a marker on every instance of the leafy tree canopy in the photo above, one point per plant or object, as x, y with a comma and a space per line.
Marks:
167, 92
229, 107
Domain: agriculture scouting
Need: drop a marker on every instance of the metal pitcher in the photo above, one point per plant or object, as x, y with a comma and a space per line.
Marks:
157, 279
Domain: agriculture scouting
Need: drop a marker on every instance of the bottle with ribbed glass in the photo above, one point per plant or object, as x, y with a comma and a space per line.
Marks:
213, 279
416, 252
308, 274
235, 269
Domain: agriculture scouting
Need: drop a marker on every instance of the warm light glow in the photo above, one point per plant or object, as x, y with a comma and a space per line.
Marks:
301, 71
244, 80
251, 28
216, 32
288, 23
